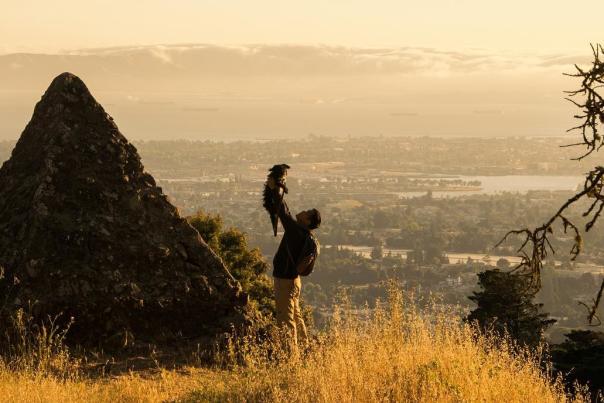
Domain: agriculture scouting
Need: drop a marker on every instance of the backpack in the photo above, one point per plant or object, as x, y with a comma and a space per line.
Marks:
308, 255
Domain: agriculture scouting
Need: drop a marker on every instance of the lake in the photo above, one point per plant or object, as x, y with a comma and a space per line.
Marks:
509, 183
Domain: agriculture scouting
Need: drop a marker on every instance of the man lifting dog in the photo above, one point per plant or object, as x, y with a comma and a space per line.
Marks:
295, 257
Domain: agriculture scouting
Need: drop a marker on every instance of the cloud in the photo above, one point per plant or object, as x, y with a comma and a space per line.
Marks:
162, 53
202, 60
564, 61
298, 59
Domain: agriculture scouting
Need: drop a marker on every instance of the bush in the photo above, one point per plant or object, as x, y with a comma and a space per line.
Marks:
505, 306
246, 265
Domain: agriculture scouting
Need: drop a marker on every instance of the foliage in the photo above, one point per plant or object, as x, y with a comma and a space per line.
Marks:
505, 305
581, 358
343, 266
245, 264
377, 253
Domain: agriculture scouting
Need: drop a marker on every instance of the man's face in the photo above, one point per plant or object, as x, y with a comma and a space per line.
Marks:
304, 217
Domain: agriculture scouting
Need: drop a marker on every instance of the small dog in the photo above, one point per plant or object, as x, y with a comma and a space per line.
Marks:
272, 195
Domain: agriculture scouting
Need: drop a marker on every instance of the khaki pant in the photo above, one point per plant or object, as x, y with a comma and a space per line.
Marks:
287, 301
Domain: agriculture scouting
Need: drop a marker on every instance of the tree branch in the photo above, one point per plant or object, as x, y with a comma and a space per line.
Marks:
536, 243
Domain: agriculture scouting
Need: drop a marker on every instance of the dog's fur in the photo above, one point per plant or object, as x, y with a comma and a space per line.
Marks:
271, 195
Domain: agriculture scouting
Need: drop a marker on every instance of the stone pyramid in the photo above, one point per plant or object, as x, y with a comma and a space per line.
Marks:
86, 233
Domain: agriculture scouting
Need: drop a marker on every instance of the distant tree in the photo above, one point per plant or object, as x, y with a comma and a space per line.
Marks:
503, 263
382, 220
343, 266
314, 294
245, 264
377, 253
505, 304
434, 244
416, 256
428, 245
581, 358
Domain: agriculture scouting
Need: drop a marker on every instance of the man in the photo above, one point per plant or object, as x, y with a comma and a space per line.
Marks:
285, 276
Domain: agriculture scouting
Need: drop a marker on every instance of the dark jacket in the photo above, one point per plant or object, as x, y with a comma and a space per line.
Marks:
293, 239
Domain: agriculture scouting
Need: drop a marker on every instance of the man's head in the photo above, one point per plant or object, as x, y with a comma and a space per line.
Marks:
311, 219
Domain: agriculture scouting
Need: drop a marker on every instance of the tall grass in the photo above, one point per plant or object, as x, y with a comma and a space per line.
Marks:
392, 353
36, 348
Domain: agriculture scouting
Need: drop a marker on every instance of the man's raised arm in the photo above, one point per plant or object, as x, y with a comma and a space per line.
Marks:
285, 216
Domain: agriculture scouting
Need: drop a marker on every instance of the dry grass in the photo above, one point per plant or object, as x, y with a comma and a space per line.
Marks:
392, 354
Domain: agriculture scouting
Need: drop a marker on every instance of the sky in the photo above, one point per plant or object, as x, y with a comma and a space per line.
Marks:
519, 26
274, 68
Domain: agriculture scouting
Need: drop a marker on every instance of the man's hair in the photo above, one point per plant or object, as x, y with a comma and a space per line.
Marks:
315, 219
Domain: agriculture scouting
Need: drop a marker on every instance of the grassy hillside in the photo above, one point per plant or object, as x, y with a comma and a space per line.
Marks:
393, 354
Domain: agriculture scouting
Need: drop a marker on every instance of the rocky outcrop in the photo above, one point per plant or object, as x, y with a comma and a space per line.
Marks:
86, 233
